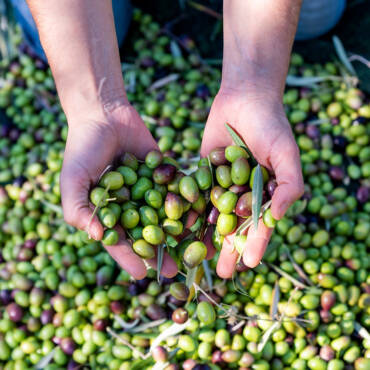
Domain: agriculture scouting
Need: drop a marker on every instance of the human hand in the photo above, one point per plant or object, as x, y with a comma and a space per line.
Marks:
262, 124
91, 146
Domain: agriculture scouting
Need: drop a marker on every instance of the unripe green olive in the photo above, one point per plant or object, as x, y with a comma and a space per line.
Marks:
143, 249
226, 224
112, 179
194, 254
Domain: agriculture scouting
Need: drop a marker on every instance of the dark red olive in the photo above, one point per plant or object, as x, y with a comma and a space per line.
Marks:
156, 312
217, 357
100, 324
188, 364
56, 340
327, 353
117, 307
271, 187
180, 315
201, 367
72, 365
164, 122
328, 299
30, 243
214, 296
217, 156
240, 266
175, 302
47, 316
164, 173
24, 254
159, 354
213, 216
336, 173
239, 189
67, 345
15, 312
244, 205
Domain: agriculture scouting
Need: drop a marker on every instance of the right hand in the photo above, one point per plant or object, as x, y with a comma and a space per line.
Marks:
92, 145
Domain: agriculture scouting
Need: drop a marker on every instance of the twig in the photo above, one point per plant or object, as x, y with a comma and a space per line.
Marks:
359, 58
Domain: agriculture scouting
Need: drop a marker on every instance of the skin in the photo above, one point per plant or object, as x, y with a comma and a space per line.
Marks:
81, 46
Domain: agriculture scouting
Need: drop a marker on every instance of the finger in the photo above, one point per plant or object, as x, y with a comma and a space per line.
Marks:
123, 254
75, 203
228, 258
209, 244
287, 167
169, 267
213, 139
256, 244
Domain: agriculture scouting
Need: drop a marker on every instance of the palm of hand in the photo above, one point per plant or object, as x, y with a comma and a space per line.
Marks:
91, 147
267, 133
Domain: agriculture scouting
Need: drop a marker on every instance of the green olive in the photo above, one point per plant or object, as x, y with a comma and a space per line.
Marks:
98, 196
112, 179
173, 227
240, 171
143, 249
128, 174
206, 313
226, 223
223, 176
268, 219
227, 201
153, 159
148, 216
110, 237
203, 178
153, 234
194, 254
234, 152
189, 189
130, 218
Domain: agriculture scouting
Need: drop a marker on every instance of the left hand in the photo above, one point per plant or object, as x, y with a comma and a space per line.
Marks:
261, 122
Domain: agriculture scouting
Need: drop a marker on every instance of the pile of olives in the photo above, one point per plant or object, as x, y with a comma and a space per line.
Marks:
65, 304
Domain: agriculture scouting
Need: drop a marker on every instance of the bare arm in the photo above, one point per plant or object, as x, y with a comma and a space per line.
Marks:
258, 36
80, 42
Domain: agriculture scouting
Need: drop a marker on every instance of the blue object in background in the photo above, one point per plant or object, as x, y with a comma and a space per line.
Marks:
122, 11
318, 17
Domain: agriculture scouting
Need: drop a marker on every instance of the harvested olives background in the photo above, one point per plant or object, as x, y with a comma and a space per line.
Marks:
62, 295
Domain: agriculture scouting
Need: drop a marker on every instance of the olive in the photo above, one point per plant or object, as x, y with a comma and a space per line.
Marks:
199, 205
217, 156
153, 234
110, 237
148, 216
179, 291
223, 176
164, 174
143, 249
130, 160
173, 206
180, 315
98, 196
130, 218
227, 201
189, 189
216, 193
153, 159
112, 179
194, 254
153, 198
240, 171
203, 178
121, 195
206, 313
268, 219
107, 217
244, 205
265, 176
139, 189
240, 243
128, 174
173, 227
226, 223
234, 152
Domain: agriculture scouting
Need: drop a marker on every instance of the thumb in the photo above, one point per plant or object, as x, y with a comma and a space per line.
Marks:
74, 188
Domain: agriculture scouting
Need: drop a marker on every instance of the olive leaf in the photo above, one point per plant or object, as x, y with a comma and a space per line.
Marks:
45, 360
311, 82
197, 225
299, 270
257, 195
342, 55
147, 325
275, 301
238, 140
171, 241
266, 335
172, 330
207, 273
163, 81
190, 277
362, 332
160, 254
295, 282
211, 170
238, 286
126, 325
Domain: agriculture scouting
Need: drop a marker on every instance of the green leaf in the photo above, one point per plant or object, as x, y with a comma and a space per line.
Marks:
237, 139
207, 273
311, 82
238, 286
160, 254
342, 55
275, 301
266, 335
175, 49
211, 170
171, 241
190, 277
142, 364
257, 195
197, 225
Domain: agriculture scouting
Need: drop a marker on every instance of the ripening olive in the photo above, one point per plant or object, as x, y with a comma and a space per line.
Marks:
189, 189
226, 224
173, 206
153, 159
206, 313
223, 176
194, 254
143, 249
234, 152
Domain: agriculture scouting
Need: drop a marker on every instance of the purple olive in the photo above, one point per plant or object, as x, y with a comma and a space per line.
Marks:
363, 194
72, 365
67, 345
15, 312
244, 205
159, 354
271, 187
117, 307
339, 142
312, 131
24, 255
156, 312
202, 91
299, 128
5, 296
336, 173
213, 216
328, 299
164, 173
47, 316
100, 324
217, 156
239, 189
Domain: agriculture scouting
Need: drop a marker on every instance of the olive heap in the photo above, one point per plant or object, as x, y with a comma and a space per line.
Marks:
64, 303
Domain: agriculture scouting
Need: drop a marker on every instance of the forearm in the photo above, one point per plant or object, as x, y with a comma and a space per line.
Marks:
80, 43
258, 37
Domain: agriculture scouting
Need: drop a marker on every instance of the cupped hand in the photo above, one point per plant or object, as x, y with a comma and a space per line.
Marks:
92, 145
262, 124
